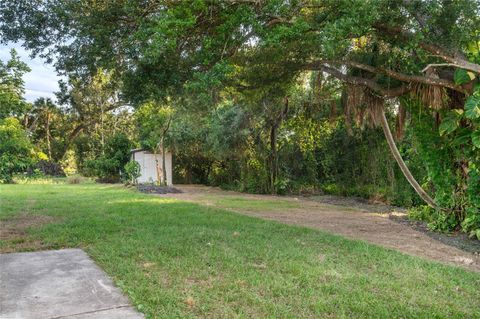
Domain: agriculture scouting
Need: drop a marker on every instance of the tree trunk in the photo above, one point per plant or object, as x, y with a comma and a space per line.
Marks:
188, 175
406, 172
164, 171
273, 157
47, 129
158, 169
102, 135
164, 133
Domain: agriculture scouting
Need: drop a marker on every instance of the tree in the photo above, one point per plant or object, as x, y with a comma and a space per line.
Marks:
92, 105
154, 122
12, 86
91, 99
43, 112
16, 151
109, 166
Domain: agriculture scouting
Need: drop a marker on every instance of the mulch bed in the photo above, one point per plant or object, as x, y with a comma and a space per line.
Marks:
156, 189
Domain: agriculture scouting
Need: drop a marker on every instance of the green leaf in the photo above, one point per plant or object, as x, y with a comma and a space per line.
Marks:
472, 107
448, 126
462, 138
476, 139
474, 233
457, 113
462, 76
476, 89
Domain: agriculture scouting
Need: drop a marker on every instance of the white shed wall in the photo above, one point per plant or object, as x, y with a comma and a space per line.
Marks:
148, 166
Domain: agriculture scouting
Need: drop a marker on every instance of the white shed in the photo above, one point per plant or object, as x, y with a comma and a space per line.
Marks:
151, 166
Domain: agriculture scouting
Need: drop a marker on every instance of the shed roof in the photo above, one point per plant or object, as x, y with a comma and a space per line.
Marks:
137, 150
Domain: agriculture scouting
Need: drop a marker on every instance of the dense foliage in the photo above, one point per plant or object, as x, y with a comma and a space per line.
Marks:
109, 165
16, 150
12, 87
274, 96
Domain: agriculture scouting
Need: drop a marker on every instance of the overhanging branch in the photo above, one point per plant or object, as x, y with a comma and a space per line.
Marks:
397, 75
456, 58
357, 80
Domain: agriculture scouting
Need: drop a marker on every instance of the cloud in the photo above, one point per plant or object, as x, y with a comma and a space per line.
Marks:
42, 81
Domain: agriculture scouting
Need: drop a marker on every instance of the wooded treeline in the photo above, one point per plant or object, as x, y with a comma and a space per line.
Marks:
372, 98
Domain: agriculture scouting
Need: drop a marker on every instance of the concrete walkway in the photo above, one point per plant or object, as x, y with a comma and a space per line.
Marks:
58, 284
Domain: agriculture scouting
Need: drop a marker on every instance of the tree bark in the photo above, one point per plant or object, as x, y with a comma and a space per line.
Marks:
159, 175
406, 172
47, 129
273, 157
275, 121
164, 133
157, 166
164, 171
102, 135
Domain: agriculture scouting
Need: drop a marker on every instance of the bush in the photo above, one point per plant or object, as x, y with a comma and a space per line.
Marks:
281, 186
446, 221
85, 149
109, 166
131, 172
106, 169
73, 180
16, 150
76, 180
471, 223
47, 168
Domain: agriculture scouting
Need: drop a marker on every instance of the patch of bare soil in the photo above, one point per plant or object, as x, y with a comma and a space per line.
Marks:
14, 230
381, 225
456, 239
156, 189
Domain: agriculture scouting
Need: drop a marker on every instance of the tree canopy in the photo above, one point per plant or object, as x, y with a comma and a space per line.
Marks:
12, 86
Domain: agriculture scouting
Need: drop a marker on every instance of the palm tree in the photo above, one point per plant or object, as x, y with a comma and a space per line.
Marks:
43, 112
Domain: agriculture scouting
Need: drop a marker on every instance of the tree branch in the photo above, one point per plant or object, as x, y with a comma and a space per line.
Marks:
407, 78
456, 59
356, 80
397, 75
432, 65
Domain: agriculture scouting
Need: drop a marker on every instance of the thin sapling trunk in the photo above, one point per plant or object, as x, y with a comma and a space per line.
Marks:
403, 167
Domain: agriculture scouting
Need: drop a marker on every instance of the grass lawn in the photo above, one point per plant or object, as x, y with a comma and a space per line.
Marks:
181, 260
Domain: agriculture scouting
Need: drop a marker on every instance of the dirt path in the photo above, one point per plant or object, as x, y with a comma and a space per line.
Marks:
366, 222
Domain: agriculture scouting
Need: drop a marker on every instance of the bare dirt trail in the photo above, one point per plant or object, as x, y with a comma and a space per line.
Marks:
365, 222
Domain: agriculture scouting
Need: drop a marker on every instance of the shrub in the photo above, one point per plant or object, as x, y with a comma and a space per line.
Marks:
47, 168
106, 169
446, 221
281, 186
109, 166
471, 223
131, 172
16, 150
74, 180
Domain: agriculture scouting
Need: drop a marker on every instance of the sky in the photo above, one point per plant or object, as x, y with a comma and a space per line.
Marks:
42, 81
